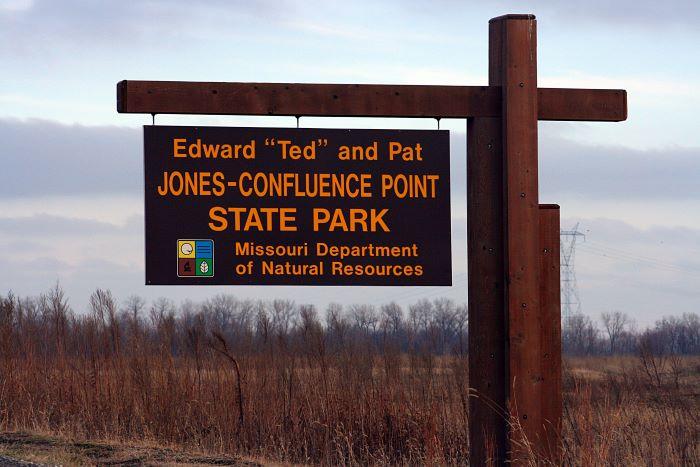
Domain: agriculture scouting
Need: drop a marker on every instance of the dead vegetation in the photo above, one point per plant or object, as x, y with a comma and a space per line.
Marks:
617, 412
268, 380
41, 449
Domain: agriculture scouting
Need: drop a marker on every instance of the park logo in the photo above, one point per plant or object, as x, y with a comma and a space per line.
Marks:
195, 258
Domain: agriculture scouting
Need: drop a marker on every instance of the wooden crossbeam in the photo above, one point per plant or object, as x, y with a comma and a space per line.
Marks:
359, 100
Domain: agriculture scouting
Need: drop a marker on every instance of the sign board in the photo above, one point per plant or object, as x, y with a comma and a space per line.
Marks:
286, 206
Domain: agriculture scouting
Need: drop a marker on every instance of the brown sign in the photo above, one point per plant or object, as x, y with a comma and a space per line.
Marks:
297, 206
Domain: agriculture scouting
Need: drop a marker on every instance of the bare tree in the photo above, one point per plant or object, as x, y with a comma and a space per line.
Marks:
283, 316
391, 318
263, 323
163, 320
104, 310
219, 311
133, 306
337, 325
419, 315
691, 324
615, 325
579, 335
445, 322
364, 317
54, 306
462, 320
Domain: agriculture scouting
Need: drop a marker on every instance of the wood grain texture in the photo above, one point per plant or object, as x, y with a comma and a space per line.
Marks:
487, 373
357, 100
550, 332
515, 41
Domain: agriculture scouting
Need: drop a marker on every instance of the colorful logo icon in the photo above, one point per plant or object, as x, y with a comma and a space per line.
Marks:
195, 258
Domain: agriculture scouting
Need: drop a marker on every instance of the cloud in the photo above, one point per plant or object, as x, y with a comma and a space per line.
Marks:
46, 158
14, 5
42, 26
646, 272
639, 12
37, 26
620, 13
60, 226
618, 173
71, 240
47, 166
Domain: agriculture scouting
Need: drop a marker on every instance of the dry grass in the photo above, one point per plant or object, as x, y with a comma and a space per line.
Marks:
292, 411
308, 394
354, 412
619, 413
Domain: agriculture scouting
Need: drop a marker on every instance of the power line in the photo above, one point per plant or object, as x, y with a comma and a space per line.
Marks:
636, 258
640, 261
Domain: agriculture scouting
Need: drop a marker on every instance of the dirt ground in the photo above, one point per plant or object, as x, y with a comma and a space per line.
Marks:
21, 449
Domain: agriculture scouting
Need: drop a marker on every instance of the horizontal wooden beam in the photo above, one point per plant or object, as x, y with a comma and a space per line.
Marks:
358, 100
604, 105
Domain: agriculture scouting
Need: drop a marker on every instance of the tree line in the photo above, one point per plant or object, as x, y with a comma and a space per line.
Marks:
46, 324
617, 333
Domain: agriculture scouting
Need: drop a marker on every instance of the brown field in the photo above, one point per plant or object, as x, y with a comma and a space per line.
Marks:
344, 410
231, 382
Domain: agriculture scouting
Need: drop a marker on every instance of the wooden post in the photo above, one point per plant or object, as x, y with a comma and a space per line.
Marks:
487, 374
509, 175
550, 335
513, 66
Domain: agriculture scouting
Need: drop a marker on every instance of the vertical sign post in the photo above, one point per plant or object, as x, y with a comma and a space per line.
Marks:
506, 316
513, 66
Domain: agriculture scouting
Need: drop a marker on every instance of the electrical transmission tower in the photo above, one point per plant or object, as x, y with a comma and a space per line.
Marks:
570, 301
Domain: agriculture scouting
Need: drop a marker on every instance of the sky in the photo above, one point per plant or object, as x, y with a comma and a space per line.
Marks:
71, 167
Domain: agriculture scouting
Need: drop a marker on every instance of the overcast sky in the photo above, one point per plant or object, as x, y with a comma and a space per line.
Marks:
71, 189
